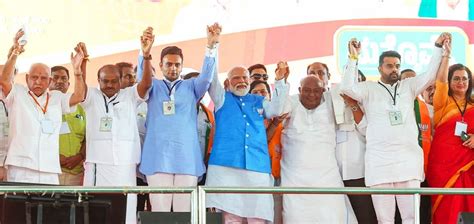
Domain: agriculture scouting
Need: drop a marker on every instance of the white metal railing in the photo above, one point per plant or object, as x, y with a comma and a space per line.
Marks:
198, 194
202, 191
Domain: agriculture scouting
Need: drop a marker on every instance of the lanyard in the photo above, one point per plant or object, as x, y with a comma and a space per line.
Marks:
4, 107
45, 108
172, 89
459, 108
394, 96
106, 104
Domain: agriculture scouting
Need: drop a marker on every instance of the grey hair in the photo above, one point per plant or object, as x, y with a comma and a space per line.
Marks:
232, 70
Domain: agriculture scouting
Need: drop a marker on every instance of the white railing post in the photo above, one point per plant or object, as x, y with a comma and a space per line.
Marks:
194, 207
416, 205
202, 205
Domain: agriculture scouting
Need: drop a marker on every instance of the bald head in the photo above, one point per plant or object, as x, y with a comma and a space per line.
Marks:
239, 80
38, 78
40, 67
311, 90
311, 79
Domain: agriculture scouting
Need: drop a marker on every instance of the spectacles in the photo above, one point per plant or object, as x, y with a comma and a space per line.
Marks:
459, 79
259, 76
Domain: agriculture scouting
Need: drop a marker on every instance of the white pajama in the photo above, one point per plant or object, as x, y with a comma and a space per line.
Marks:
385, 204
163, 202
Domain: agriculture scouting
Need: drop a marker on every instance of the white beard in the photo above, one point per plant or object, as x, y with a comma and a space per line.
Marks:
240, 92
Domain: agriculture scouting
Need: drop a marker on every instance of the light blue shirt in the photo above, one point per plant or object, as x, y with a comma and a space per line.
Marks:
171, 142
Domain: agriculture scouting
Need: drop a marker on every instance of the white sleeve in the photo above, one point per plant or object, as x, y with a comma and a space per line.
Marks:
65, 97
275, 107
88, 99
420, 82
350, 85
217, 92
132, 93
16, 88
361, 127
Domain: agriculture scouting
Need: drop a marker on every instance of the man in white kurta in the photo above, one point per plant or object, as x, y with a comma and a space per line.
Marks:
35, 120
309, 160
113, 143
351, 126
393, 156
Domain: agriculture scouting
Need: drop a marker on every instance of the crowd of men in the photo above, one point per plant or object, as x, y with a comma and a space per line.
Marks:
136, 129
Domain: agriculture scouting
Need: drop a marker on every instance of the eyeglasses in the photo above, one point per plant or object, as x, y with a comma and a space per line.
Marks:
259, 76
459, 79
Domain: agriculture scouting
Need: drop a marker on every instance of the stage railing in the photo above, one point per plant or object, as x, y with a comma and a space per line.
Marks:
202, 191
198, 194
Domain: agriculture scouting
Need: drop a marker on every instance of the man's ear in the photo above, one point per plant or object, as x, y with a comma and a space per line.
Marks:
299, 90
226, 84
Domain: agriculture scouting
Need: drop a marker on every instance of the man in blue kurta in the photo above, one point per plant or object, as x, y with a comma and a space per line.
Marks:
171, 153
239, 155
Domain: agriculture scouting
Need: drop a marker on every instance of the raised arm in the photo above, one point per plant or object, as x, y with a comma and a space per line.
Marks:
216, 90
202, 82
440, 97
422, 81
349, 84
85, 60
79, 85
6, 79
145, 83
275, 107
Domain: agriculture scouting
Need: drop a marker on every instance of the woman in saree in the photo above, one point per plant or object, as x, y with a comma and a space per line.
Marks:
451, 158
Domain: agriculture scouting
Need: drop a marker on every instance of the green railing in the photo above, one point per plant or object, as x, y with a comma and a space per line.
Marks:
198, 194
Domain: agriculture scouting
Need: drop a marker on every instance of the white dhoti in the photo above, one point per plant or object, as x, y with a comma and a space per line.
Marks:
243, 205
114, 175
309, 160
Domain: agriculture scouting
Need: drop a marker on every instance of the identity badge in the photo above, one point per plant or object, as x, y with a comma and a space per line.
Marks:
395, 117
168, 107
47, 126
460, 127
105, 124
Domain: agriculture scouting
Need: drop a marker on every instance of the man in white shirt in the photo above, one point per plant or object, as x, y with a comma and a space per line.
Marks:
113, 143
350, 150
35, 120
393, 157
309, 158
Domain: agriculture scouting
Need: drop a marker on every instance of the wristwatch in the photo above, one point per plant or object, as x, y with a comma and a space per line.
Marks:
355, 108
147, 57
